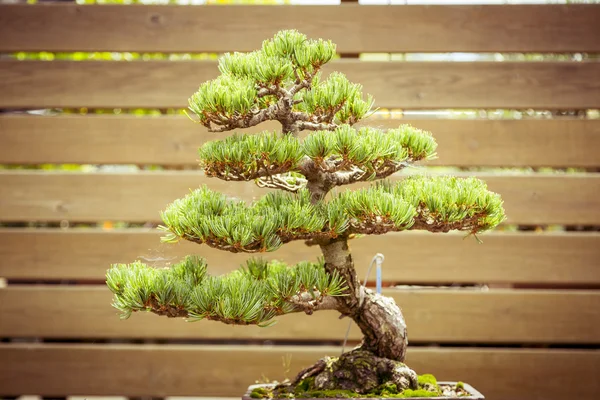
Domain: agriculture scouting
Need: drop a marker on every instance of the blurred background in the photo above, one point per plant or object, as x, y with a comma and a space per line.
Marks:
94, 143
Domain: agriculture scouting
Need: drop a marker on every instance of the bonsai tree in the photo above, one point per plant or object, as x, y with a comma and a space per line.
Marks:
282, 82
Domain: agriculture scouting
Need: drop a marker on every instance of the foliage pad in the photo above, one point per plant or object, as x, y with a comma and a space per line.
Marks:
280, 78
254, 294
373, 151
437, 204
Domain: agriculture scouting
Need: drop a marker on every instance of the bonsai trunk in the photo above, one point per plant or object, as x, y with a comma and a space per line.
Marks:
377, 316
379, 359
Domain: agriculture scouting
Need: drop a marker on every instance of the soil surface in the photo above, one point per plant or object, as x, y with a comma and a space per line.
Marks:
452, 391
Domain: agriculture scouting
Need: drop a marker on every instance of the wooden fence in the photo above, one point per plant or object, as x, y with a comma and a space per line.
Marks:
533, 335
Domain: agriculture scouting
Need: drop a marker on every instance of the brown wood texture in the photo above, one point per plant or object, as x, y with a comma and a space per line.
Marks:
410, 85
174, 140
355, 29
495, 316
528, 199
411, 257
180, 370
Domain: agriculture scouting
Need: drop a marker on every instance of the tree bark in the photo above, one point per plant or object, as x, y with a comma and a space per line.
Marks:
289, 128
378, 317
383, 326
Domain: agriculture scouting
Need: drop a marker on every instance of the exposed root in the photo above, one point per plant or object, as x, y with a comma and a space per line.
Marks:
358, 371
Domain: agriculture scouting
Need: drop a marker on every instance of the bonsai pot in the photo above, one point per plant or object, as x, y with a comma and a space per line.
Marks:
471, 394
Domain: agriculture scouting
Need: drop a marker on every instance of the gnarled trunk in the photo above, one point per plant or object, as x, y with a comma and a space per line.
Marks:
378, 317
379, 360
383, 326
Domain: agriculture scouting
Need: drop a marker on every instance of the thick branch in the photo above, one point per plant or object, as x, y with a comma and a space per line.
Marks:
278, 182
274, 90
227, 124
325, 176
231, 173
316, 126
306, 303
302, 303
356, 174
257, 246
269, 175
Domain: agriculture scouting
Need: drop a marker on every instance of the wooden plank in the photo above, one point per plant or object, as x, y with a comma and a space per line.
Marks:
555, 28
510, 143
529, 199
153, 370
175, 140
411, 85
549, 258
438, 316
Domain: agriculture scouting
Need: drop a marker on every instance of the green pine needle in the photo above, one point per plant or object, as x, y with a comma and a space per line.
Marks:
208, 217
437, 204
282, 62
246, 157
335, 100
254, 294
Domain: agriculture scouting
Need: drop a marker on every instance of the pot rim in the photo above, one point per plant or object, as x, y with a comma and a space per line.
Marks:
474, 394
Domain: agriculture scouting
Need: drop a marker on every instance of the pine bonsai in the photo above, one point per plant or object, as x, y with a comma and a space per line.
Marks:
282, 82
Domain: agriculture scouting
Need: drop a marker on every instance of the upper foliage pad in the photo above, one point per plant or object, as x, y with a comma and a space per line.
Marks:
370, 149
334, 100
280, 82
436, 204
375, 152
254, 294
245, 157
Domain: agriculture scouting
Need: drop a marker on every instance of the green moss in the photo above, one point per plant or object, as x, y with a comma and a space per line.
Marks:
460, 385
388, 389
324, 394
428, 387
261, 393
305, 385
427, 378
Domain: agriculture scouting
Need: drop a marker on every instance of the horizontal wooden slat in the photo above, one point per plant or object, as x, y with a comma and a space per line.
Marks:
175, 140
509, 143
354, 28
151, 370
411, 257
441, 316
162, 84
529, 199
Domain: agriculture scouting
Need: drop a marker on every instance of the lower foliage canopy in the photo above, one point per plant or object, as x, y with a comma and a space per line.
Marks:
437, 204
254, 294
